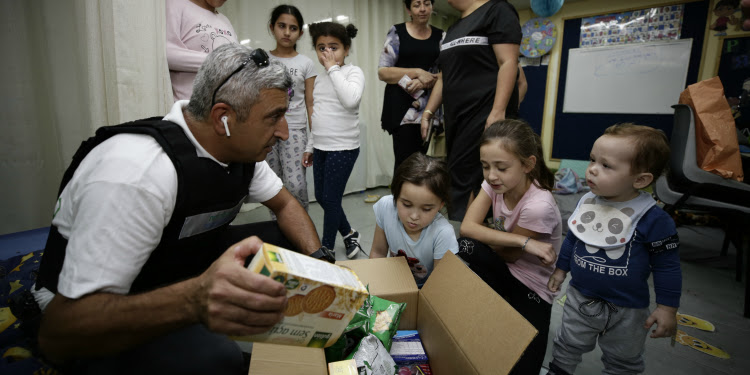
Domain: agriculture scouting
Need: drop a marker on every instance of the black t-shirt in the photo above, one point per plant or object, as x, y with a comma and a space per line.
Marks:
469, 64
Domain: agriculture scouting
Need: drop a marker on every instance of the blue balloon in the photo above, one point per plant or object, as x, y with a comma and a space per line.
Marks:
546, 8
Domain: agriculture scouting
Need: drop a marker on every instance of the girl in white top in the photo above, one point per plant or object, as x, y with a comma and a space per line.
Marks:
333, 144
286, 156
408, 222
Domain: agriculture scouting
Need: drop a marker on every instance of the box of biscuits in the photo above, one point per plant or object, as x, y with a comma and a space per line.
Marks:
322, 297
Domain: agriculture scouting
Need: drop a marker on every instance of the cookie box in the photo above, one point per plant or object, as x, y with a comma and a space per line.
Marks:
322, 298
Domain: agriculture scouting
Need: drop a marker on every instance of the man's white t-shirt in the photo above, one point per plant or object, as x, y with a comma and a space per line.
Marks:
114, 209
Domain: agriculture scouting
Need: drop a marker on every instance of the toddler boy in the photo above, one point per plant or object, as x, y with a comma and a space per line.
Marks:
617, 236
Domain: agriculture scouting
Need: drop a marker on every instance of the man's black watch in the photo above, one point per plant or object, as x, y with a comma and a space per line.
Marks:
324, 254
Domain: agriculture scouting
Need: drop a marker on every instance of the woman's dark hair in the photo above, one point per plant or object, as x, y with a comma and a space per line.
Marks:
336, 30
422, 170
518, 138
407, 3
287, 9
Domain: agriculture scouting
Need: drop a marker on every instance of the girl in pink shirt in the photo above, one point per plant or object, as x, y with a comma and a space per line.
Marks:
517, 253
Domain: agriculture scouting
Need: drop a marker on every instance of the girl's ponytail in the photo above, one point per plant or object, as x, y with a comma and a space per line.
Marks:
351, 31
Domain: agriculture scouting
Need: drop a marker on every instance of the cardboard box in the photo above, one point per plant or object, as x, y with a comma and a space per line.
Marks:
323, 298
466, 328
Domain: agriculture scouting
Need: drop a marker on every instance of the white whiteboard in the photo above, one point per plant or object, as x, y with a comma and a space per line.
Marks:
633, 78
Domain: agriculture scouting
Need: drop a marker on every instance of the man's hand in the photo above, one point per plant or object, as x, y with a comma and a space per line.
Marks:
233, 300
542, 250
556, 280
665, 318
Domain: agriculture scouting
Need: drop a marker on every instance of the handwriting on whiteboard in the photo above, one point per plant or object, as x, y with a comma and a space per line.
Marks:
628, 62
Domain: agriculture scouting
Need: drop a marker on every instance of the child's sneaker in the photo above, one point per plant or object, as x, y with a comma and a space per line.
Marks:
351, 241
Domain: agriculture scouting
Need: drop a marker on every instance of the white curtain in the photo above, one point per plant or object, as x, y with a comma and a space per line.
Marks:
70, 66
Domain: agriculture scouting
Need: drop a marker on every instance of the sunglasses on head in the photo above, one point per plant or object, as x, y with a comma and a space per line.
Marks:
258, 56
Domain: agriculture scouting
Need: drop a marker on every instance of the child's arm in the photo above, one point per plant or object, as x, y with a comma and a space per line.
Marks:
506, 244
665, 318
665, 266
563, 264
556, 280
663, 246
309, 86
348, 87
379, 243
307, 159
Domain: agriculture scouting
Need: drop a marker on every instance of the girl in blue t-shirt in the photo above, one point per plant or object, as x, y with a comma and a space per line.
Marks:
408, 223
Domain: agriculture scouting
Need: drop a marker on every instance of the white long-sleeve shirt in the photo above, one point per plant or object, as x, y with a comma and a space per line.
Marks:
335, 119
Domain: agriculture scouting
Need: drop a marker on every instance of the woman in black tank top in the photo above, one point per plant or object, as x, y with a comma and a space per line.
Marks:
411, 49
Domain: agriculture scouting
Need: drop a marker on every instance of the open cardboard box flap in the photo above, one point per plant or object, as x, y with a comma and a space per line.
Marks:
389, 279
466, 328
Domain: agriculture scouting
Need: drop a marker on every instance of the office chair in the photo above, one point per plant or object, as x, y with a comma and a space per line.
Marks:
687, 186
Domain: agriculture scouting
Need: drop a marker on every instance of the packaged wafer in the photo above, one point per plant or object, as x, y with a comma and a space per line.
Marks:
322, 297
408, 353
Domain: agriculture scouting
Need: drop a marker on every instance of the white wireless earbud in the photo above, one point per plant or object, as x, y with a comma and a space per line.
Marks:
226, 127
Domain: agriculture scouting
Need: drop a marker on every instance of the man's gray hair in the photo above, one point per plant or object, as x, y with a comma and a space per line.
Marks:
242, 90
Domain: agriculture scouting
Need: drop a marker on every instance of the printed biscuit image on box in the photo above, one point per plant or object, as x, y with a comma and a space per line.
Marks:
322, 297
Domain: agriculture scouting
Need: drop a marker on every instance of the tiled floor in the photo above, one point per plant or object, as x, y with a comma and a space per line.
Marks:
709, 292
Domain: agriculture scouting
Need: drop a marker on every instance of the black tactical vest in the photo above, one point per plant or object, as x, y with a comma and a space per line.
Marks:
208, 198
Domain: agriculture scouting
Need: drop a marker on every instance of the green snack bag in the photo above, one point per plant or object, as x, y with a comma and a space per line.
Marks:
376, 316
384, 319
357, 328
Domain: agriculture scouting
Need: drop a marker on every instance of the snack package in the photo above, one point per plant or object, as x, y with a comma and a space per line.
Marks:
378, 317
423, 369
372, 358
348, 367
323, 298
404, 81
408, 353
384, 319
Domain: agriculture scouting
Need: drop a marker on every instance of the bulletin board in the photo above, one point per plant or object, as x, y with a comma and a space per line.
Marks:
734, 64
575, 133
532, 106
